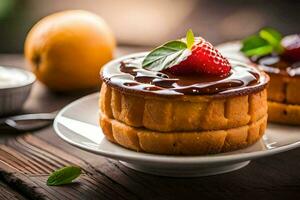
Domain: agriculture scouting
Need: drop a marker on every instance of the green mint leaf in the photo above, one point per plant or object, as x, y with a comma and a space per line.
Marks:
166, 56
267, 41
255, 45
64, 175
190, 38
259, 51
273, 37
253, 42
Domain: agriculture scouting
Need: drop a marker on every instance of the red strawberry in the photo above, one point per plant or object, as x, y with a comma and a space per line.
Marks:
291, 45
205, 59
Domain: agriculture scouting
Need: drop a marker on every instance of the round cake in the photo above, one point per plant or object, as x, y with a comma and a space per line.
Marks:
159, 112
284, 72
284, 87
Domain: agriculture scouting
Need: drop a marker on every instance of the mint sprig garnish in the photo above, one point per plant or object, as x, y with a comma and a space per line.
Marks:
273, 37
64, 176
267, 41
169, 54
255, 45
190, 39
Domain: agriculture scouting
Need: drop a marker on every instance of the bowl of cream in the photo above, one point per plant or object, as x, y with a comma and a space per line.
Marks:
15, 87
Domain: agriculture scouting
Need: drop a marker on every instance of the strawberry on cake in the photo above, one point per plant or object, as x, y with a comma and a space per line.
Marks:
183, 97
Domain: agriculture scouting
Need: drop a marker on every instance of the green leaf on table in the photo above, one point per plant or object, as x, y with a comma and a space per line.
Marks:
255, 45
190, 38
166, 56
273, 37
64, 175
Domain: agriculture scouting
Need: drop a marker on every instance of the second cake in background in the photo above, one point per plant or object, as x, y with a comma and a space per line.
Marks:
279, 57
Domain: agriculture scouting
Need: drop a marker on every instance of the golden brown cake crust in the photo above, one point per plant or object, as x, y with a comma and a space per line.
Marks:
190, 113
284, 113
184, 143
284, 89
284, 99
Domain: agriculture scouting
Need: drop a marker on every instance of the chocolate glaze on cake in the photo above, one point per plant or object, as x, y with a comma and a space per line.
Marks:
128, 75
275, 64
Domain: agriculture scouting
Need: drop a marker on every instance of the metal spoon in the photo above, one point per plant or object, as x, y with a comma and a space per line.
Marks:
27, 122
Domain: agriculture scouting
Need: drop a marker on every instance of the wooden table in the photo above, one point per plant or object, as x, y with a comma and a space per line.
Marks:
27, 159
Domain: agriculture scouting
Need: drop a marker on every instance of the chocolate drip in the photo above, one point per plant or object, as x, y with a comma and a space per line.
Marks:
275, 64
129, 75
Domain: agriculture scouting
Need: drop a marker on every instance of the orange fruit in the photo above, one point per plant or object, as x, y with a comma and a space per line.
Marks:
66, 50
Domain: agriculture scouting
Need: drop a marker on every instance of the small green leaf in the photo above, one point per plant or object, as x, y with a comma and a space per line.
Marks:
273, 37
190, 38
166, 56
267, 41
259, 51
253, 42
64, 175
255, 45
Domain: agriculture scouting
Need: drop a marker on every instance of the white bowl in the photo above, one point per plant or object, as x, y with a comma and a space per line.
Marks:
14, 95
77, 124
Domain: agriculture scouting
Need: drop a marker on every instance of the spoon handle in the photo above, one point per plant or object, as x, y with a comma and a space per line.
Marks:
37, 116
27, 122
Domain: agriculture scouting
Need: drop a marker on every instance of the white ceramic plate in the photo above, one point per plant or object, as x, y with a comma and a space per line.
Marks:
77, 124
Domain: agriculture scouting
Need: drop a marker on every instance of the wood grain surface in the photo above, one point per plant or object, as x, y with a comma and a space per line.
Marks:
8, 193
27, 159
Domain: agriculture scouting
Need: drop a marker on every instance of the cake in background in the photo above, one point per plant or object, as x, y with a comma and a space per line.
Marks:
279, 57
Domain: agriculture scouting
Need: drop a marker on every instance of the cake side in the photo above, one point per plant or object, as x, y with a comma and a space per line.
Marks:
165, 115
283, 89
182, 143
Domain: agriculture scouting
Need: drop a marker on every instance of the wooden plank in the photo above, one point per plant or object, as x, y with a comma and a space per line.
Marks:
6, 193
275, 177
109, 168
31, 158
27, 161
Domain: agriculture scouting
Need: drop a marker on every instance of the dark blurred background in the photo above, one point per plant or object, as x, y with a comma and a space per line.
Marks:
149, 22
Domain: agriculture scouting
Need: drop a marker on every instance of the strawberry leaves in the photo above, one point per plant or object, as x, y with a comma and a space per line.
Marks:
190, 39
169, 54
267, 41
